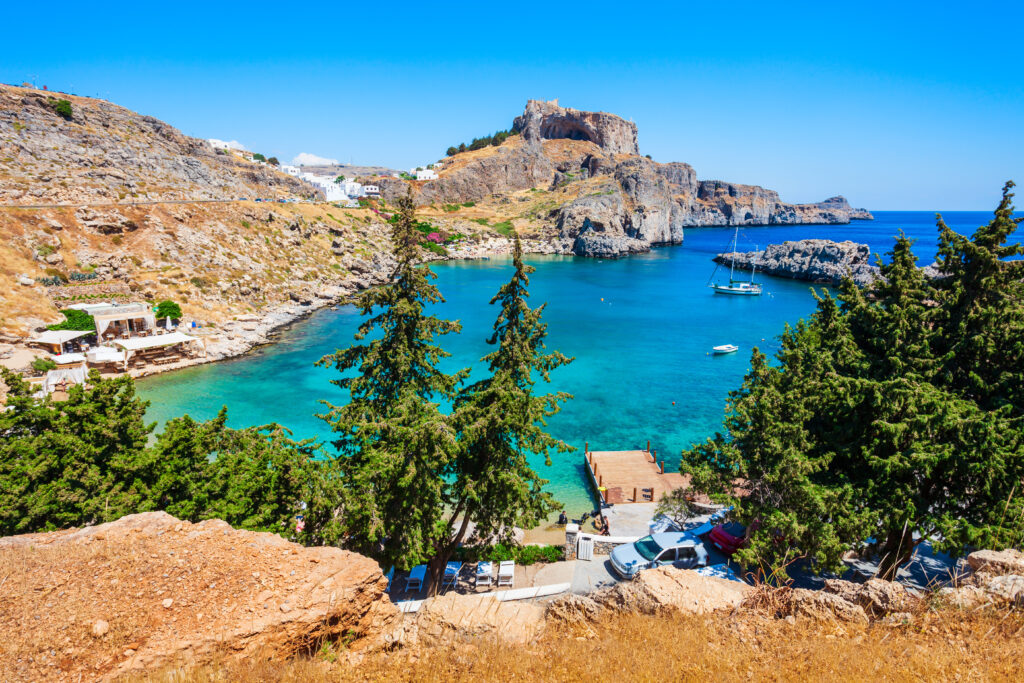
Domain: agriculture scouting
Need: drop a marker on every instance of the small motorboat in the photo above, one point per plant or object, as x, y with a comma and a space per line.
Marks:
725, 348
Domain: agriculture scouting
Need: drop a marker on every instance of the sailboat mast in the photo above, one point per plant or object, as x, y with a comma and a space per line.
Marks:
732, 261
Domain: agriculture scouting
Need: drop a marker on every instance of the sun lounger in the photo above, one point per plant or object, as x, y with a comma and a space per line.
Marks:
415, 577
391, 576
506, 573
484, 574
451, 574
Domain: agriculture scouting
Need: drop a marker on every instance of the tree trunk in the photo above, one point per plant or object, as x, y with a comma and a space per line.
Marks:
438, 562
895, 552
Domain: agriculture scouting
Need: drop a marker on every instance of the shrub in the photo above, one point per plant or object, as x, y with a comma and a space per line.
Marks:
45, 250
434, 247
75, 320
468, 204
451, 208
117, 240
43, 364
61, 108
520, 554
57, 275
273, 161
480, 143
168, 309
504, 228
258, 157
199, 282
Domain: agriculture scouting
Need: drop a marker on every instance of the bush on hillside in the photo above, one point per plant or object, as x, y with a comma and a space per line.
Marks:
480, 143
43, 364
61, 108
168, 309
75, 320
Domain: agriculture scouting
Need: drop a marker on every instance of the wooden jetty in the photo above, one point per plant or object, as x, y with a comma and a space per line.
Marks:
631, 476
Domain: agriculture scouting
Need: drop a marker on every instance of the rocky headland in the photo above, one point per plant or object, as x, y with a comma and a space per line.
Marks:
608, 199
811, 260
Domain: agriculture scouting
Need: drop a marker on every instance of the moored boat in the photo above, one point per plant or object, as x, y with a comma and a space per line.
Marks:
725, 348
736, 287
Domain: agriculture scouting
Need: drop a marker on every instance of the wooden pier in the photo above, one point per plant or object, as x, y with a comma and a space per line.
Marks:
631, 476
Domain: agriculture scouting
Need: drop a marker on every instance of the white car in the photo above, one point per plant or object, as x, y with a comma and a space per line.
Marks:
657, 550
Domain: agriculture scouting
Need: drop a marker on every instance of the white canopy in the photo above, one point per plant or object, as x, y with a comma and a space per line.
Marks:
69, 375
66, 358
58, 336
137, 343
104, 354
88, 308
105, 316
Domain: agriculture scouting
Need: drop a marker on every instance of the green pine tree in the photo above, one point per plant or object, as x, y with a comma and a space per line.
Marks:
74, 462
889, 415
501, 423
393, 442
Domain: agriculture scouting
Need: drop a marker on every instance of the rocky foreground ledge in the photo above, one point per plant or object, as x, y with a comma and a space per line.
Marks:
811, 260
149, 592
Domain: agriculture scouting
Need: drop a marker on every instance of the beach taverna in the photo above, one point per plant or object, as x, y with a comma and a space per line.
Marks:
122, 320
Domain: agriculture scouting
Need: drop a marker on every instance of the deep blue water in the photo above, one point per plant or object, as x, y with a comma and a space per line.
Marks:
640, 329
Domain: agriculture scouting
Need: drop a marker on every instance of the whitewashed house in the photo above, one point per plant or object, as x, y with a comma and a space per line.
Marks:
291, 170
426, 174
371, 191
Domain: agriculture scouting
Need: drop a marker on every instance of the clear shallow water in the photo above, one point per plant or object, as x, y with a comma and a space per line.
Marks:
640, 328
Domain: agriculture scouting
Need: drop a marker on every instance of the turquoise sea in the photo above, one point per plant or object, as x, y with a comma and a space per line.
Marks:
640, 328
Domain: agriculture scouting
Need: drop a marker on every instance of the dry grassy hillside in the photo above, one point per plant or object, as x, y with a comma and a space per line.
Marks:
944, 645
218, 260
128, 201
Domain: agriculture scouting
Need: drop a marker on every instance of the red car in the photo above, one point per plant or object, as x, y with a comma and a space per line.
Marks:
728, 537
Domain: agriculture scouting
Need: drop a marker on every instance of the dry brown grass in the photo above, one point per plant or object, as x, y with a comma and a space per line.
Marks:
939, 645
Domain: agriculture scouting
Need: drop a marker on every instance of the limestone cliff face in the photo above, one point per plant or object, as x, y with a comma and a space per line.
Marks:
548, 121
811, 260
630, 202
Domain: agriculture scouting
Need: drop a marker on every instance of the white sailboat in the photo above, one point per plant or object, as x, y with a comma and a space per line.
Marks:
737, 287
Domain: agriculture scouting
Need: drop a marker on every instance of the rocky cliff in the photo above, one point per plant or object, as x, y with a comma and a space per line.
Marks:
811, 260
622, 203
548, 121
149, 591
133, 209
103, 152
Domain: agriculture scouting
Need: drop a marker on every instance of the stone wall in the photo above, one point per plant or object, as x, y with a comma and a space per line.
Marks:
603, 545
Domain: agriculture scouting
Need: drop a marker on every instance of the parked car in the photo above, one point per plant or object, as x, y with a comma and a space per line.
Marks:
728, 537
657, 550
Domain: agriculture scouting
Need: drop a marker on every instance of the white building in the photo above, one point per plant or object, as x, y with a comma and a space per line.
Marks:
371, 191
291, 170
426, 174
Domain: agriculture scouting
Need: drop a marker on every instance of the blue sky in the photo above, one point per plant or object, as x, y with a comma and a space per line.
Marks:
895, 105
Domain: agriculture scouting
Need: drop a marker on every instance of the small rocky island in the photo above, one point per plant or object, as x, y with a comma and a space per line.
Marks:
811, 260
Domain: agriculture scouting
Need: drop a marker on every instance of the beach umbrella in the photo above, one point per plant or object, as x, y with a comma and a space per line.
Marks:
167, 323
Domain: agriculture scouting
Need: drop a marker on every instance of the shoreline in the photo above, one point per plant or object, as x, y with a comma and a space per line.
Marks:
256, 332
251, 331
